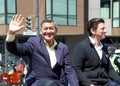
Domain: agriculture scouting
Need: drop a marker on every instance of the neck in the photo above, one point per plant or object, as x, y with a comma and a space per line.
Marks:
97, 41
50, 43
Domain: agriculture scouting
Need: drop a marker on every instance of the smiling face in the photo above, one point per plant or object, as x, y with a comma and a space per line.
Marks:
100, 32
48, 32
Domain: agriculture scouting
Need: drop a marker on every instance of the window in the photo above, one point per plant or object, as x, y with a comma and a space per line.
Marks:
105, 9
116, 13
2, 10
63, 12
8, 9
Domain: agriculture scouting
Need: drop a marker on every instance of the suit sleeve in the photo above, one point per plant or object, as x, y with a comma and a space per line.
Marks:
78, 64
69, 71
20, 49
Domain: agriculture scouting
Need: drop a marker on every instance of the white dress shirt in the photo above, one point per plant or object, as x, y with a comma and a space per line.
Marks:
97, 47
52, 54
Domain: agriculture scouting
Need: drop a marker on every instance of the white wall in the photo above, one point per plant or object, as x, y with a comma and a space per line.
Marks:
108, 26
94, 9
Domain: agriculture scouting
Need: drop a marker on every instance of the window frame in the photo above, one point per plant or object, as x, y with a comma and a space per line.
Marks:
51, 15
115, 17
6, 14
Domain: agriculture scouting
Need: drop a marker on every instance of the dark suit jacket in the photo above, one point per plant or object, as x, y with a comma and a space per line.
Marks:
40, 67
89, 67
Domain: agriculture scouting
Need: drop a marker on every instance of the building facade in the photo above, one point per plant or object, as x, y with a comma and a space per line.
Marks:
70, 15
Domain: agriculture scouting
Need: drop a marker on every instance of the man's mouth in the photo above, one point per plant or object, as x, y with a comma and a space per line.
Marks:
49, 35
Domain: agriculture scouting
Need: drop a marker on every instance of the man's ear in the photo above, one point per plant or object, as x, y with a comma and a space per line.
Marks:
56, 30
92, 31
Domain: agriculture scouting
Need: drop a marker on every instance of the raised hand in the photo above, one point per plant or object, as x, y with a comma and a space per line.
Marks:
15, 24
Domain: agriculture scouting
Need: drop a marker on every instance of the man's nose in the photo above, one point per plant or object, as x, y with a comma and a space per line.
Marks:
105, 30
48, 30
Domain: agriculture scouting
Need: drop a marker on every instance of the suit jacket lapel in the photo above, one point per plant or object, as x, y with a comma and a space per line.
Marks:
104, 51
44, 51
57, 52
94, 52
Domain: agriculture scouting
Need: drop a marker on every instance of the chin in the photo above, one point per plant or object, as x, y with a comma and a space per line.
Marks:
49, 39
103, 38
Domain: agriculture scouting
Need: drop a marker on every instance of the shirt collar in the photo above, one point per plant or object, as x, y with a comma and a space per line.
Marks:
94, 43
55, 43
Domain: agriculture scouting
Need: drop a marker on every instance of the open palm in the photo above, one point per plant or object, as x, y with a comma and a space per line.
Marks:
15, 24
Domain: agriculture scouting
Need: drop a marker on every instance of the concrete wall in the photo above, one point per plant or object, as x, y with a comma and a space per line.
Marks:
94, 9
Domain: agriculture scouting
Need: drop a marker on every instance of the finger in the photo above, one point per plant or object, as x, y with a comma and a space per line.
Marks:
21, 19
16, 16
12, 19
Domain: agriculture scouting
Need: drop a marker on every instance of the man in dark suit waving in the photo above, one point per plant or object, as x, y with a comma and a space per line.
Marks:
90, 58
48, 57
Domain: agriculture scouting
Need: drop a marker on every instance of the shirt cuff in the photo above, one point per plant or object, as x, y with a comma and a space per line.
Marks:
10, 38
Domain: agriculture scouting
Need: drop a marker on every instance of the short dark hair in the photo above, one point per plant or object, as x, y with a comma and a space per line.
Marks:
93, 23
49, 21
